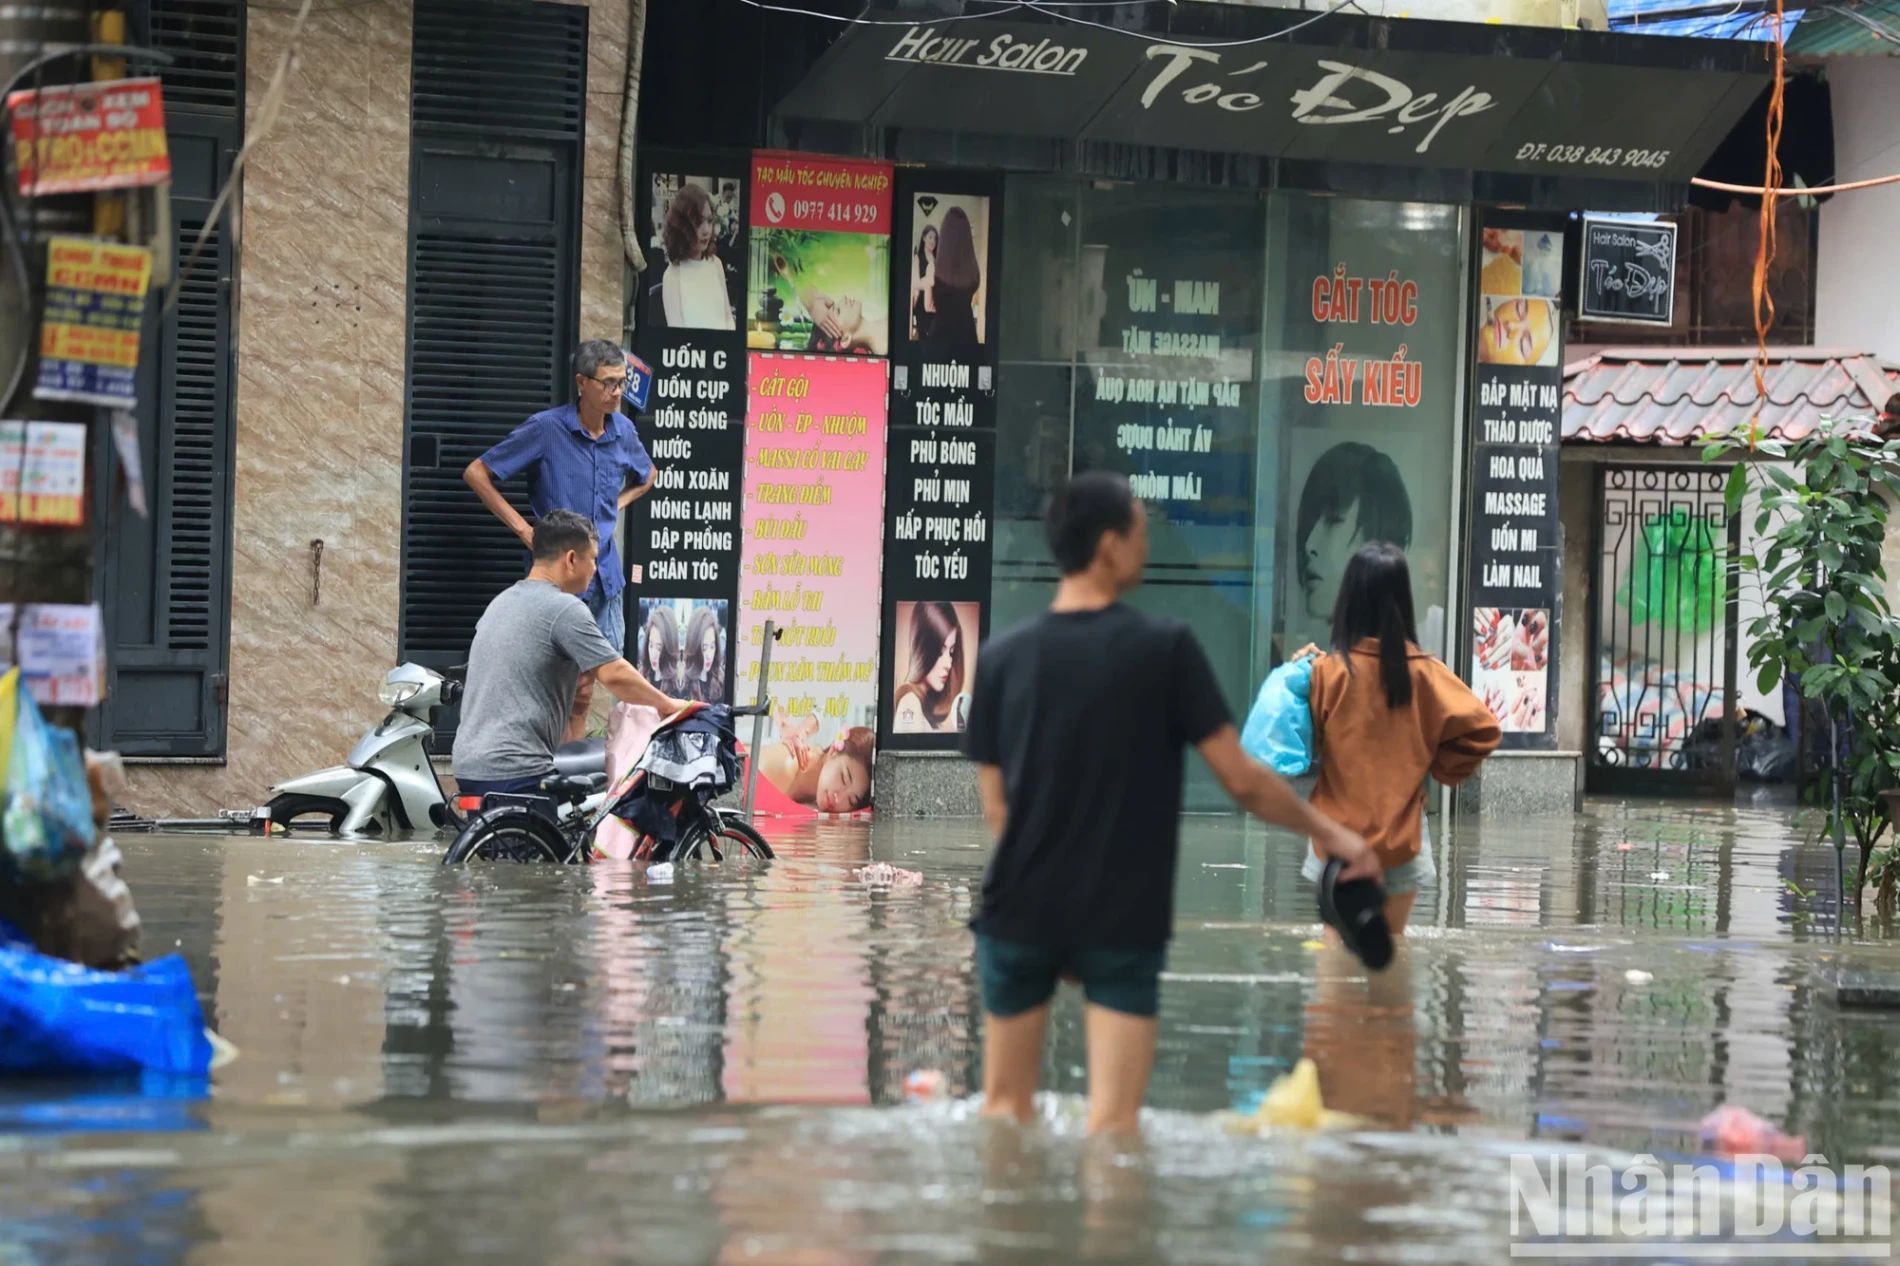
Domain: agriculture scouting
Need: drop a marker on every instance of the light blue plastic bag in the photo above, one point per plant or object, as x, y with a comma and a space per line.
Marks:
1279, 730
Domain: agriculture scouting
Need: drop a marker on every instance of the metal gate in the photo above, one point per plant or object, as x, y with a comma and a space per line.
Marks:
1663, 630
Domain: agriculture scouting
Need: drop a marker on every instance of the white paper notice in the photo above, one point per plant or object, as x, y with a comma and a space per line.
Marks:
62, 653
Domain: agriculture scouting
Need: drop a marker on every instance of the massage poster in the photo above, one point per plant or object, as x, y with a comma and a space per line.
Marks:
820, 268
1517, 420
812, 562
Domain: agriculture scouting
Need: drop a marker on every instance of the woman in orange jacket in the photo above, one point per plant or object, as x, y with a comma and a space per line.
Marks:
1386, 714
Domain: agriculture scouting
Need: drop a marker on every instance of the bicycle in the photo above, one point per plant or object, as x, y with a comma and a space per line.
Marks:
545, 827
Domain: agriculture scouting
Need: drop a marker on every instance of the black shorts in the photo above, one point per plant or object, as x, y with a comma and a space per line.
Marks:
1019, 978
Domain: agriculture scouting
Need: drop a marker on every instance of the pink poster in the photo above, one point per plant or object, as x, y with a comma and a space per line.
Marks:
812, 562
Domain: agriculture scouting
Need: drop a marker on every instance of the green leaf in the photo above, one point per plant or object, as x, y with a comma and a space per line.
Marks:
1836, 606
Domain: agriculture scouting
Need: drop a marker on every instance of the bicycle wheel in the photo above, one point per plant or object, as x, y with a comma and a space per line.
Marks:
722, 835
509, 834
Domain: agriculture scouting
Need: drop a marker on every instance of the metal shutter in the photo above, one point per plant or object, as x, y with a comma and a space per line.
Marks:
206, 40
495, 138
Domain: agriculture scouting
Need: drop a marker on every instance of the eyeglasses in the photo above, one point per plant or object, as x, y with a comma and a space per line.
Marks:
615, 385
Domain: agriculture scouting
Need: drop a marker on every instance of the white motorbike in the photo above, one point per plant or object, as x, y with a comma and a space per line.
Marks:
389, 787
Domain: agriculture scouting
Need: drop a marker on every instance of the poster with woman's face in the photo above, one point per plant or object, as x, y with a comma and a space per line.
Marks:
1519, 281
814, 291
949, 255
1350, 488
694, 279
934, 668
683, 647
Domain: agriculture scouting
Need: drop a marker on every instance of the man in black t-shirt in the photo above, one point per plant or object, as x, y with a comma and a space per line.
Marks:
1078, 726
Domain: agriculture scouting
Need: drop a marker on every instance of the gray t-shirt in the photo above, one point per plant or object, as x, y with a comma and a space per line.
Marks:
531, 647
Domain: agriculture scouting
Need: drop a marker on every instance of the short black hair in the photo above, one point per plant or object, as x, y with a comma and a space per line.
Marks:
595, 352
1081, 511
558, 531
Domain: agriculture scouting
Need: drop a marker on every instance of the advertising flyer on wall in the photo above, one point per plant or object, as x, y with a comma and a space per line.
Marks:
1517, 423
819, 275
941, 473
89, 335
812, 564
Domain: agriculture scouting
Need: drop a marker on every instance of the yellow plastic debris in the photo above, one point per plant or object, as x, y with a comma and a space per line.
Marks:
1312, 945
1293, 1102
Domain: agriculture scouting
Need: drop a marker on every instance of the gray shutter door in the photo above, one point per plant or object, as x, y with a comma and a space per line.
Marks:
496, 117
165, 584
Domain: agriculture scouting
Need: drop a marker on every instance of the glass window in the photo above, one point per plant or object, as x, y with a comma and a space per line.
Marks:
1362, 386
1170, 333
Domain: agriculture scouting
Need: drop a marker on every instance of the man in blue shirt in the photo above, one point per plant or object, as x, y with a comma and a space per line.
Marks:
585, 457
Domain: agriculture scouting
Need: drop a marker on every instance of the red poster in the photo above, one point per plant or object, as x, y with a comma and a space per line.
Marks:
821, 194
107, 135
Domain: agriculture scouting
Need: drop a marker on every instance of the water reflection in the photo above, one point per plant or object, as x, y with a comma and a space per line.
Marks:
545, 1063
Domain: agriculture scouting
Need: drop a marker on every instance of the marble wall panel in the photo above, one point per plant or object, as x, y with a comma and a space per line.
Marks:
321, 360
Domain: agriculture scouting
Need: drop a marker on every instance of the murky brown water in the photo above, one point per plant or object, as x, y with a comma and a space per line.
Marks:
554, 1065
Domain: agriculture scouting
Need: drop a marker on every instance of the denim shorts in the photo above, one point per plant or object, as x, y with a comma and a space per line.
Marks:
611, 615
1420, 872
1019, 978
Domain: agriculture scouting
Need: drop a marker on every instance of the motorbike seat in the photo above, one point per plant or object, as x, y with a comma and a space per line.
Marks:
573, 788
582, 757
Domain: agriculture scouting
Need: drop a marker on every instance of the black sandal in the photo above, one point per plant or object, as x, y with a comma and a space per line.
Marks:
1356, 910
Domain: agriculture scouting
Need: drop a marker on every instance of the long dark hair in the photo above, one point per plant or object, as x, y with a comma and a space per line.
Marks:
923, 256
693, 654
1375, 600
663, 633
957, 265
932, 624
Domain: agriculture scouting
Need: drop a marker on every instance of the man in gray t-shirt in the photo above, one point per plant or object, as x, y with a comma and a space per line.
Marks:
531, 647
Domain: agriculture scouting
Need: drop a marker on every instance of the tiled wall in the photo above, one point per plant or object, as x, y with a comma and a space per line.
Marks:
321, 325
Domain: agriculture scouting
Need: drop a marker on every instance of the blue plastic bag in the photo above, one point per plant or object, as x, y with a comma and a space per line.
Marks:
59, 1017
1279, 729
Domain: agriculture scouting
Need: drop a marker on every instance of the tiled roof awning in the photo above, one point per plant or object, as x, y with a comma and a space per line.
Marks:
1677, 395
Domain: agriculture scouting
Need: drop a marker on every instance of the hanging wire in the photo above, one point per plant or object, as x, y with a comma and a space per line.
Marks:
1764, 302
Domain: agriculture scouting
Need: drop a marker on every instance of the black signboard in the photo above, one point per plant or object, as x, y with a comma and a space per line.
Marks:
940, 468
1516, 582
1341, 88
683, 538
1629, 272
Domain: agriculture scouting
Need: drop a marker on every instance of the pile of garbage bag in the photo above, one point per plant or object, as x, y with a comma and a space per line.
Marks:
72, 998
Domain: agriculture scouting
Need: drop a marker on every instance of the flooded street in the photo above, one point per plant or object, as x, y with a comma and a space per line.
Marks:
561, 1065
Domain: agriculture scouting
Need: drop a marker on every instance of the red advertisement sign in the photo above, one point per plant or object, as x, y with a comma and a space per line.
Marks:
77, 139
822, 194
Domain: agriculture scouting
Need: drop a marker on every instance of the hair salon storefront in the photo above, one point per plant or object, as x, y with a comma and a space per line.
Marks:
1258, 262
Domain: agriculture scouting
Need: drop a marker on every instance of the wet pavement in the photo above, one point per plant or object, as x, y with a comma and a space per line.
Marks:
563, 1065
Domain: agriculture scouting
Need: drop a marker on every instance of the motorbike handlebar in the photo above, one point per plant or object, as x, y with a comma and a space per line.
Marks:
753, 710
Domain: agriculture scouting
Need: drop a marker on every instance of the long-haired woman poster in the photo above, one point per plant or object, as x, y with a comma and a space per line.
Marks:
949, 250
936, 649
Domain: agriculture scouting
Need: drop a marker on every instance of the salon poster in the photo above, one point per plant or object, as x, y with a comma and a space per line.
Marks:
1367, 383
1167, 396
819, 275
940, 486
812, 563
1517, 423
683, 537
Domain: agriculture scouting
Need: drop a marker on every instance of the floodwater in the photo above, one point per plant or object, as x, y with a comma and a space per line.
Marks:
541, 1064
